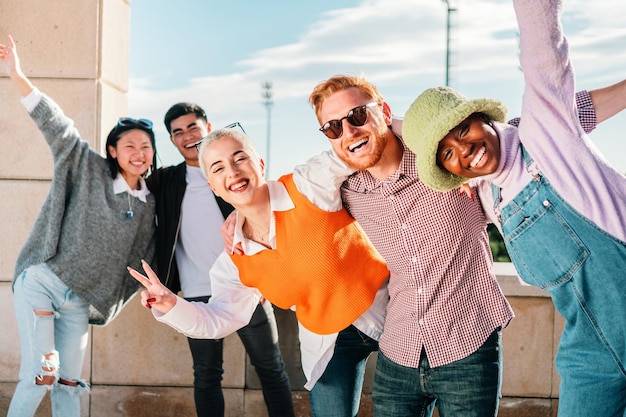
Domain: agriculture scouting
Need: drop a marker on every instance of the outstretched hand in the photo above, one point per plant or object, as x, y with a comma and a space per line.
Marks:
156, 295
8, 55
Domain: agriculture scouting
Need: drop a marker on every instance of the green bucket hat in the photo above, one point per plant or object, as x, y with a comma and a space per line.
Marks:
431, 117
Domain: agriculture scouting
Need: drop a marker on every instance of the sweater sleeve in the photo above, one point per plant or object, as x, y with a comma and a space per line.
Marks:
586, 112
60, 133
70, 155
550, 129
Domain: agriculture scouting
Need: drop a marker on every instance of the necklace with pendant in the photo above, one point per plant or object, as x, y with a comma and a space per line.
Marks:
129, 213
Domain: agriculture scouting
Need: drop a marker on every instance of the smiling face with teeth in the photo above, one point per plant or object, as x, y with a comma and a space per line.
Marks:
471, 149
187, 130
134, 154
234, 171
358, 146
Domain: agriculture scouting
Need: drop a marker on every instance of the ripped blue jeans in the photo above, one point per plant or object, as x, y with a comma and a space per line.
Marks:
52, 345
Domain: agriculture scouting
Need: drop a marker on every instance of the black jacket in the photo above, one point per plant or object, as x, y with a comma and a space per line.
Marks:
168, 186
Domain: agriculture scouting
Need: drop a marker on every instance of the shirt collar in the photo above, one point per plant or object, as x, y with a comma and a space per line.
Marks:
279, 201
120, 185
363, 181
279, 197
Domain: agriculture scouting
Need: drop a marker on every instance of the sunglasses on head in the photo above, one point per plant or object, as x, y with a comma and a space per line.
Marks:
333, 129
130, 122
230, 126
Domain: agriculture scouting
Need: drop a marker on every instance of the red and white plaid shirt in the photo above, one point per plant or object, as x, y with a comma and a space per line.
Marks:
443, 292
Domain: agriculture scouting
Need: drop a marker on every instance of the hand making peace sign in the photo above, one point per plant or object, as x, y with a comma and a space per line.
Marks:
156, 295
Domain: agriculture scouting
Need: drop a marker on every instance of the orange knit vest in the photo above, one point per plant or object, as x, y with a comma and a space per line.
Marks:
324, 265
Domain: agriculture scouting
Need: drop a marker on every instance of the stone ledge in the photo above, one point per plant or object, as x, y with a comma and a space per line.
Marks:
512, 285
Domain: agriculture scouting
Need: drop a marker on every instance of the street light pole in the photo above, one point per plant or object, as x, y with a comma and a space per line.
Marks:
450, 9
267, 102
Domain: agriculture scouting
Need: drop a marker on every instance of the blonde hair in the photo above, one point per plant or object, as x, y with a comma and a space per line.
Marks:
218, 134
339, 83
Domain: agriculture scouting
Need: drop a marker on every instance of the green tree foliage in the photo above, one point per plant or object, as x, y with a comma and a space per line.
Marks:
496, 243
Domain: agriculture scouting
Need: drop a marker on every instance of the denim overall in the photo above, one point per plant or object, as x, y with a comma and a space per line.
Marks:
584, 270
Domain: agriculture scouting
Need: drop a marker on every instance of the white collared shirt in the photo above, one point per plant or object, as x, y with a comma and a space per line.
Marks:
120, 185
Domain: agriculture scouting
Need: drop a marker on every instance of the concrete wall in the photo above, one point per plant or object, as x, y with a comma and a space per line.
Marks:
77, 52
138, 367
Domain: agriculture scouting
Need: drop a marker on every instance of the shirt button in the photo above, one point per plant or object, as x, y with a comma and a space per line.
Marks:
405, 226
421, 322
414, 259
546, 203
419, 290
392, 197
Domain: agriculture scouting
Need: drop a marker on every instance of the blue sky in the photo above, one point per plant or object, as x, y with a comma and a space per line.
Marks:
218, 54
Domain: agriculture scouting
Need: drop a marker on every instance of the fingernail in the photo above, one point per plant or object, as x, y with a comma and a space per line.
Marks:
148, 305
151, 300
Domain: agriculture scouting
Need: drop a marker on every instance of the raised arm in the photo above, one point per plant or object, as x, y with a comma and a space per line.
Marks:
609, 101
587, 113
11, 61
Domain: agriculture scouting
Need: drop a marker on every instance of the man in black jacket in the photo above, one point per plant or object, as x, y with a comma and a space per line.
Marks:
189, 217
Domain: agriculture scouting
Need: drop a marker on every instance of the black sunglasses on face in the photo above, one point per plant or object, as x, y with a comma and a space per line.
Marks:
230, 126
130, 122
333, 129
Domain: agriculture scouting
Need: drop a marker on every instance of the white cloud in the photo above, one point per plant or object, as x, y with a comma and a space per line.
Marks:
400, 45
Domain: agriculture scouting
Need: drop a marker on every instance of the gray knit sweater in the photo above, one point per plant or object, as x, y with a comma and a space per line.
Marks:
82, 232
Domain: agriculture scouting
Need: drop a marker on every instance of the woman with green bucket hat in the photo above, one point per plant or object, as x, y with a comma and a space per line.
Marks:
560, 206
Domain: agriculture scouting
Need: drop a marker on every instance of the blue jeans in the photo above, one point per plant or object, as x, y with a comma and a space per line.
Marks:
61, 337
260, 339
587, 370
469, 387
338, 392
583, 268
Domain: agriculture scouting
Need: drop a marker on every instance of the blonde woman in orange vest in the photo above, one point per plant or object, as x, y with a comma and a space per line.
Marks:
320, 262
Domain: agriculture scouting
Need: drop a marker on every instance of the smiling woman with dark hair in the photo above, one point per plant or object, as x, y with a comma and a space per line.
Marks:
98, 217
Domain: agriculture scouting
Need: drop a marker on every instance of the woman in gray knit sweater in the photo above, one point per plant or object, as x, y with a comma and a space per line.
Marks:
97, 218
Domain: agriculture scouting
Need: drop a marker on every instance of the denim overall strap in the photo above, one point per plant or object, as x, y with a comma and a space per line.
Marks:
496, 191
557, 249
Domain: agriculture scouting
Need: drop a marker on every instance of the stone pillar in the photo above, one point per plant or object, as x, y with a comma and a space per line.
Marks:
76, 51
